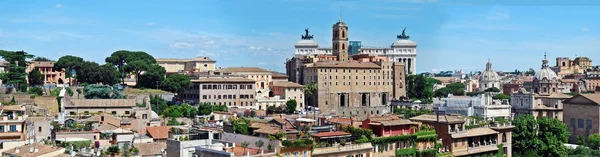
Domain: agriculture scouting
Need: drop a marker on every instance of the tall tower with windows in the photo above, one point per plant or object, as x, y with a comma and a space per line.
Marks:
340, 40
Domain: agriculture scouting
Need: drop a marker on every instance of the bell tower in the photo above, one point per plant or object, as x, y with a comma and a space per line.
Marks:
340, 40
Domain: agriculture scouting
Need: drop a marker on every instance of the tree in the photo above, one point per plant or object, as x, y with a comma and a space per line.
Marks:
136, 67
245, 145
291, 106
118, 59
176, 83
493, 89
173, 111
309, 89
421, 87
96, 91
594, 141
43, 59
259, 144
68, 63
501, 96
158, 104
542, 137
16, 76
153, 77
442, 92
113, 150
36, 91
581, 141
35, 78
130, 62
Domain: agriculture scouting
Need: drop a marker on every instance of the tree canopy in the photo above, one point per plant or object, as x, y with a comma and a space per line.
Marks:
16, 75
501, 96
176, 83
131, 62
92, 73
35, 78
97, 91
291, 106
492, 89
542, 137
153, 77
69, 64
421, 87
453, 88
40, 59
158, 104
206, 109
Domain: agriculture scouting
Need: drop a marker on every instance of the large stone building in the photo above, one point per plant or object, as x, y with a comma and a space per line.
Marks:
198, 64
221, 90
289, 91
51, 75
582, 115
261, 77
482, 105
542, 99
402, 51
489, 78
355, 88
566, 66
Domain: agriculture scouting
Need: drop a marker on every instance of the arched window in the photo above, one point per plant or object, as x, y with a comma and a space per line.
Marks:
384, 98
364, 99
343, 34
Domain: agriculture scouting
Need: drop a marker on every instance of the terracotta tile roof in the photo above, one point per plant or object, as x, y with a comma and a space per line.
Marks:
340, 120
278, 75
286, 84
474, 132
592, 97
569, 80
281, 121
101, 103
12, 108
159, 132
443, 118
383, 118
555, 96
239, 151
43, 64
396, 122
223, 79
332, 134
107, 127
344, 64
269, 129
42, 150
244, 69
150, 149
39, 119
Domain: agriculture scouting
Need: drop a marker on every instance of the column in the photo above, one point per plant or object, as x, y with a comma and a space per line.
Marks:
414, 65
409, 64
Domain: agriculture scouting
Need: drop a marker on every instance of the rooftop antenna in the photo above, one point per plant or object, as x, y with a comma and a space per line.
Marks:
340, 13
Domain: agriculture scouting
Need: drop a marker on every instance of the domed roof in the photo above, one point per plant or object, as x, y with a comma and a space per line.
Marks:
306, 43
404, 42
545, 72
489, 74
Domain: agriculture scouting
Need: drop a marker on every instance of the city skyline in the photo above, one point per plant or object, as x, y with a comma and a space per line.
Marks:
513, 35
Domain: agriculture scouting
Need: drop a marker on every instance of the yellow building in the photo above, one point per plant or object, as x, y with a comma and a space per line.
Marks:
198, 64
51, 76
566, 66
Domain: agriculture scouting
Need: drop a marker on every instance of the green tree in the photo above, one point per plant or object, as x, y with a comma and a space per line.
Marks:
118, 59
158, 104
456, 88
36, 91
421, 87
173, 111
176, 83
131, 62
69, 64
16, 75
96, 91
114, 150
291, 106
43, 59
245, 145
35, 78
501, 96
153, 77
259, 144
594, 141
542, 137
581, 141
442, 92
308, 90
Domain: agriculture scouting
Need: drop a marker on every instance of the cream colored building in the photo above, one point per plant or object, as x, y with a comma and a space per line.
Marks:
51, 76
566, 66
289, 91
198, 64
261, 76
233, 91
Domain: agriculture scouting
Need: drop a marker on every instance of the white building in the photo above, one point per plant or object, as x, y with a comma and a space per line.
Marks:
403, 50
482, 105
489, 78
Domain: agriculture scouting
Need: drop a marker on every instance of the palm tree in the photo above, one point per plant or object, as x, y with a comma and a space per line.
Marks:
309, 89
245, 145
259, 144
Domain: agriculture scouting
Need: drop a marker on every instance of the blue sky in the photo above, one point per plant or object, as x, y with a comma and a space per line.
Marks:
452, 35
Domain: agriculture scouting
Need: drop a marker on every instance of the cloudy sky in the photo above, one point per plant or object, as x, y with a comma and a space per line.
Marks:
452, 35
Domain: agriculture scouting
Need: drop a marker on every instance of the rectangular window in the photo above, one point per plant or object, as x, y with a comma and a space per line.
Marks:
588, 124
572, 122
580, 123
1, 128
13, 128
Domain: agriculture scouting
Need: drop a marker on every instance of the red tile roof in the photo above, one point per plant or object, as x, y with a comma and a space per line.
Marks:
329, 134
159, 132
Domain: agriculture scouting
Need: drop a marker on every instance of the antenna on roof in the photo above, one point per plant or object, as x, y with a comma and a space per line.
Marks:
340, 13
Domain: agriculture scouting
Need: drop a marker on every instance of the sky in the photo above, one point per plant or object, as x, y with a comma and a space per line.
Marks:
451, 35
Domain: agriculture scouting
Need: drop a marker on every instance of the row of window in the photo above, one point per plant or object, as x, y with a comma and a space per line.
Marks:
230, 103
226, 86
227, 96
12, 128
579, 124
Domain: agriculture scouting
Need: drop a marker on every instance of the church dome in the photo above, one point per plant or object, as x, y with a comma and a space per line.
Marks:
306, 43
404, 42
545, 72
489, 75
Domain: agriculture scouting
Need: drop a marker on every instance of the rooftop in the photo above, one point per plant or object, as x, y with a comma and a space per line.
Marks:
286, 84
451, 119
244, 69
150, 149
223, 80
24, 150
344, 64
159, 132
199, 58
474, 132
595, 98
101, 103
332, 134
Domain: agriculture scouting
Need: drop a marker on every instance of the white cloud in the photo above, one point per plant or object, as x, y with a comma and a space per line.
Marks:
205, 53
261, 63
181, 45
499, 15
150, 24
58, 6
585, 29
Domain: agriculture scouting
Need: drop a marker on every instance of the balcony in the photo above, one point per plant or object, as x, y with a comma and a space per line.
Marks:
12, 119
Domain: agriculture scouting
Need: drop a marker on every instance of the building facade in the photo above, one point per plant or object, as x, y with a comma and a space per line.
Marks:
198, 64
566, 66
482, 105
289, 91
221, 90
489, 78
582, 115
261, 77
51, 76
